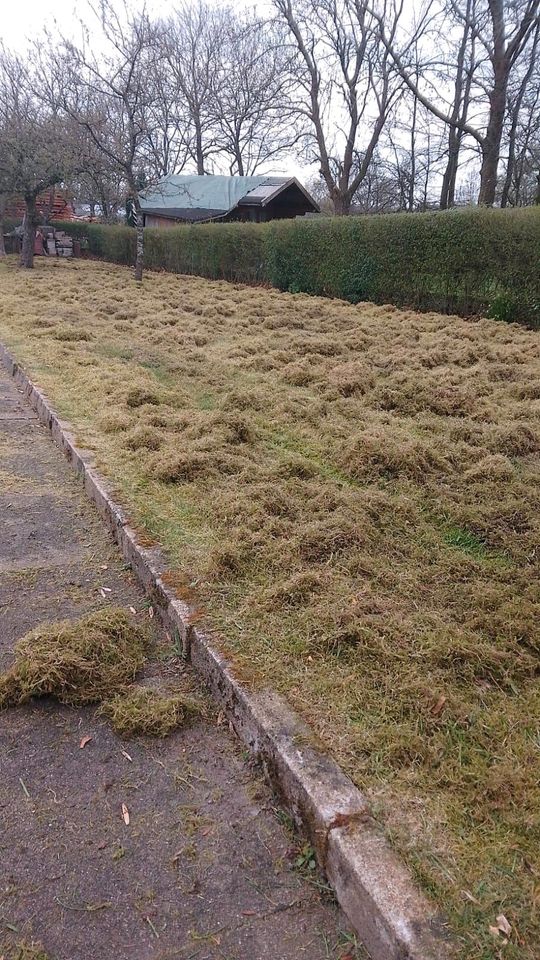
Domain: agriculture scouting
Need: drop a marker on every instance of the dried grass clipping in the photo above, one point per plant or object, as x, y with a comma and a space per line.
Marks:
140, 711
23, 951
77, 662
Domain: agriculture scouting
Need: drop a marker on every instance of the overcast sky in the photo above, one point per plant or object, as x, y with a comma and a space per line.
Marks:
22, 20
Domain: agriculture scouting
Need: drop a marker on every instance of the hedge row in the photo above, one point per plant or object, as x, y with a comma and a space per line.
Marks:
466, 261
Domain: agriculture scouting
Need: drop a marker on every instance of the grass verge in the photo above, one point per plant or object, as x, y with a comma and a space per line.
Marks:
351, 496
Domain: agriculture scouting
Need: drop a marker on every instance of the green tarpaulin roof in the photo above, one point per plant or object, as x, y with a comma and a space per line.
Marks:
212, 194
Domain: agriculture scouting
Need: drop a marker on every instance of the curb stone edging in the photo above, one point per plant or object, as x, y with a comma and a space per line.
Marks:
374, 888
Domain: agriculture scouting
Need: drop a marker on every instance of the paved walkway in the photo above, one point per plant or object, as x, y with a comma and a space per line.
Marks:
205, 869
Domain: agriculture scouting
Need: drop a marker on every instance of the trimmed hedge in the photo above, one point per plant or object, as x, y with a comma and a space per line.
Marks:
459, 261
466, 261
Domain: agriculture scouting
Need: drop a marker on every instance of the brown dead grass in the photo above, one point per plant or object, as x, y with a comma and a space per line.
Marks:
75, 661
94, 660
351, 495
24, 950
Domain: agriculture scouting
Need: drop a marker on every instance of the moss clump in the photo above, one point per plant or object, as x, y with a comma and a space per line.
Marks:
77, 662
142, 712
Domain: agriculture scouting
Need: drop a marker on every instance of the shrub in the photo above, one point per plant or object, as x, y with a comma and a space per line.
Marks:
465, 261
460, 261
226, 251
114, 243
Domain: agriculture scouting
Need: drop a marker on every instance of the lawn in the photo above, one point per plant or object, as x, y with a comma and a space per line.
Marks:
351, 496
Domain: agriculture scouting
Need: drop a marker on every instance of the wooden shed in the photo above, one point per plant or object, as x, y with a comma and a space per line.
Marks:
199, 199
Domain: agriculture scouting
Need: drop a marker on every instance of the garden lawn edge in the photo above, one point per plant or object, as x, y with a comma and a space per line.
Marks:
393, 918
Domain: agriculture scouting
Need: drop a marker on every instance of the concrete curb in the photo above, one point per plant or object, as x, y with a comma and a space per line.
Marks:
392, 917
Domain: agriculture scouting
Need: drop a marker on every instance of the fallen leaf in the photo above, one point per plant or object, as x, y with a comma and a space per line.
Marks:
102, 905
132, 610
151, 612
249, 913
125, 814
503, 925
84, 741
438, 707
127, 756
102, 844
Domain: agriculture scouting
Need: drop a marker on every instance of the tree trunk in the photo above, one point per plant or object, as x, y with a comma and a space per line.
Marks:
491, 149
412, 175
105, 209
512, 173
199, 152
139, 259
505, 195
460, 109
448, 190
29, 234
537, 194
342, 203
491, 143
2, 212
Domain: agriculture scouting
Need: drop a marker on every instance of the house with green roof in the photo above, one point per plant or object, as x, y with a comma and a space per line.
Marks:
200, 199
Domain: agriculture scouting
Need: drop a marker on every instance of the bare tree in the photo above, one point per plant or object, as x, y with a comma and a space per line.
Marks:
252, 98
170, 129
521, 185
108, 95
3, 203
461, 70
503, 29
100, 188
347, 83
523, 107
192, 41
38, 149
